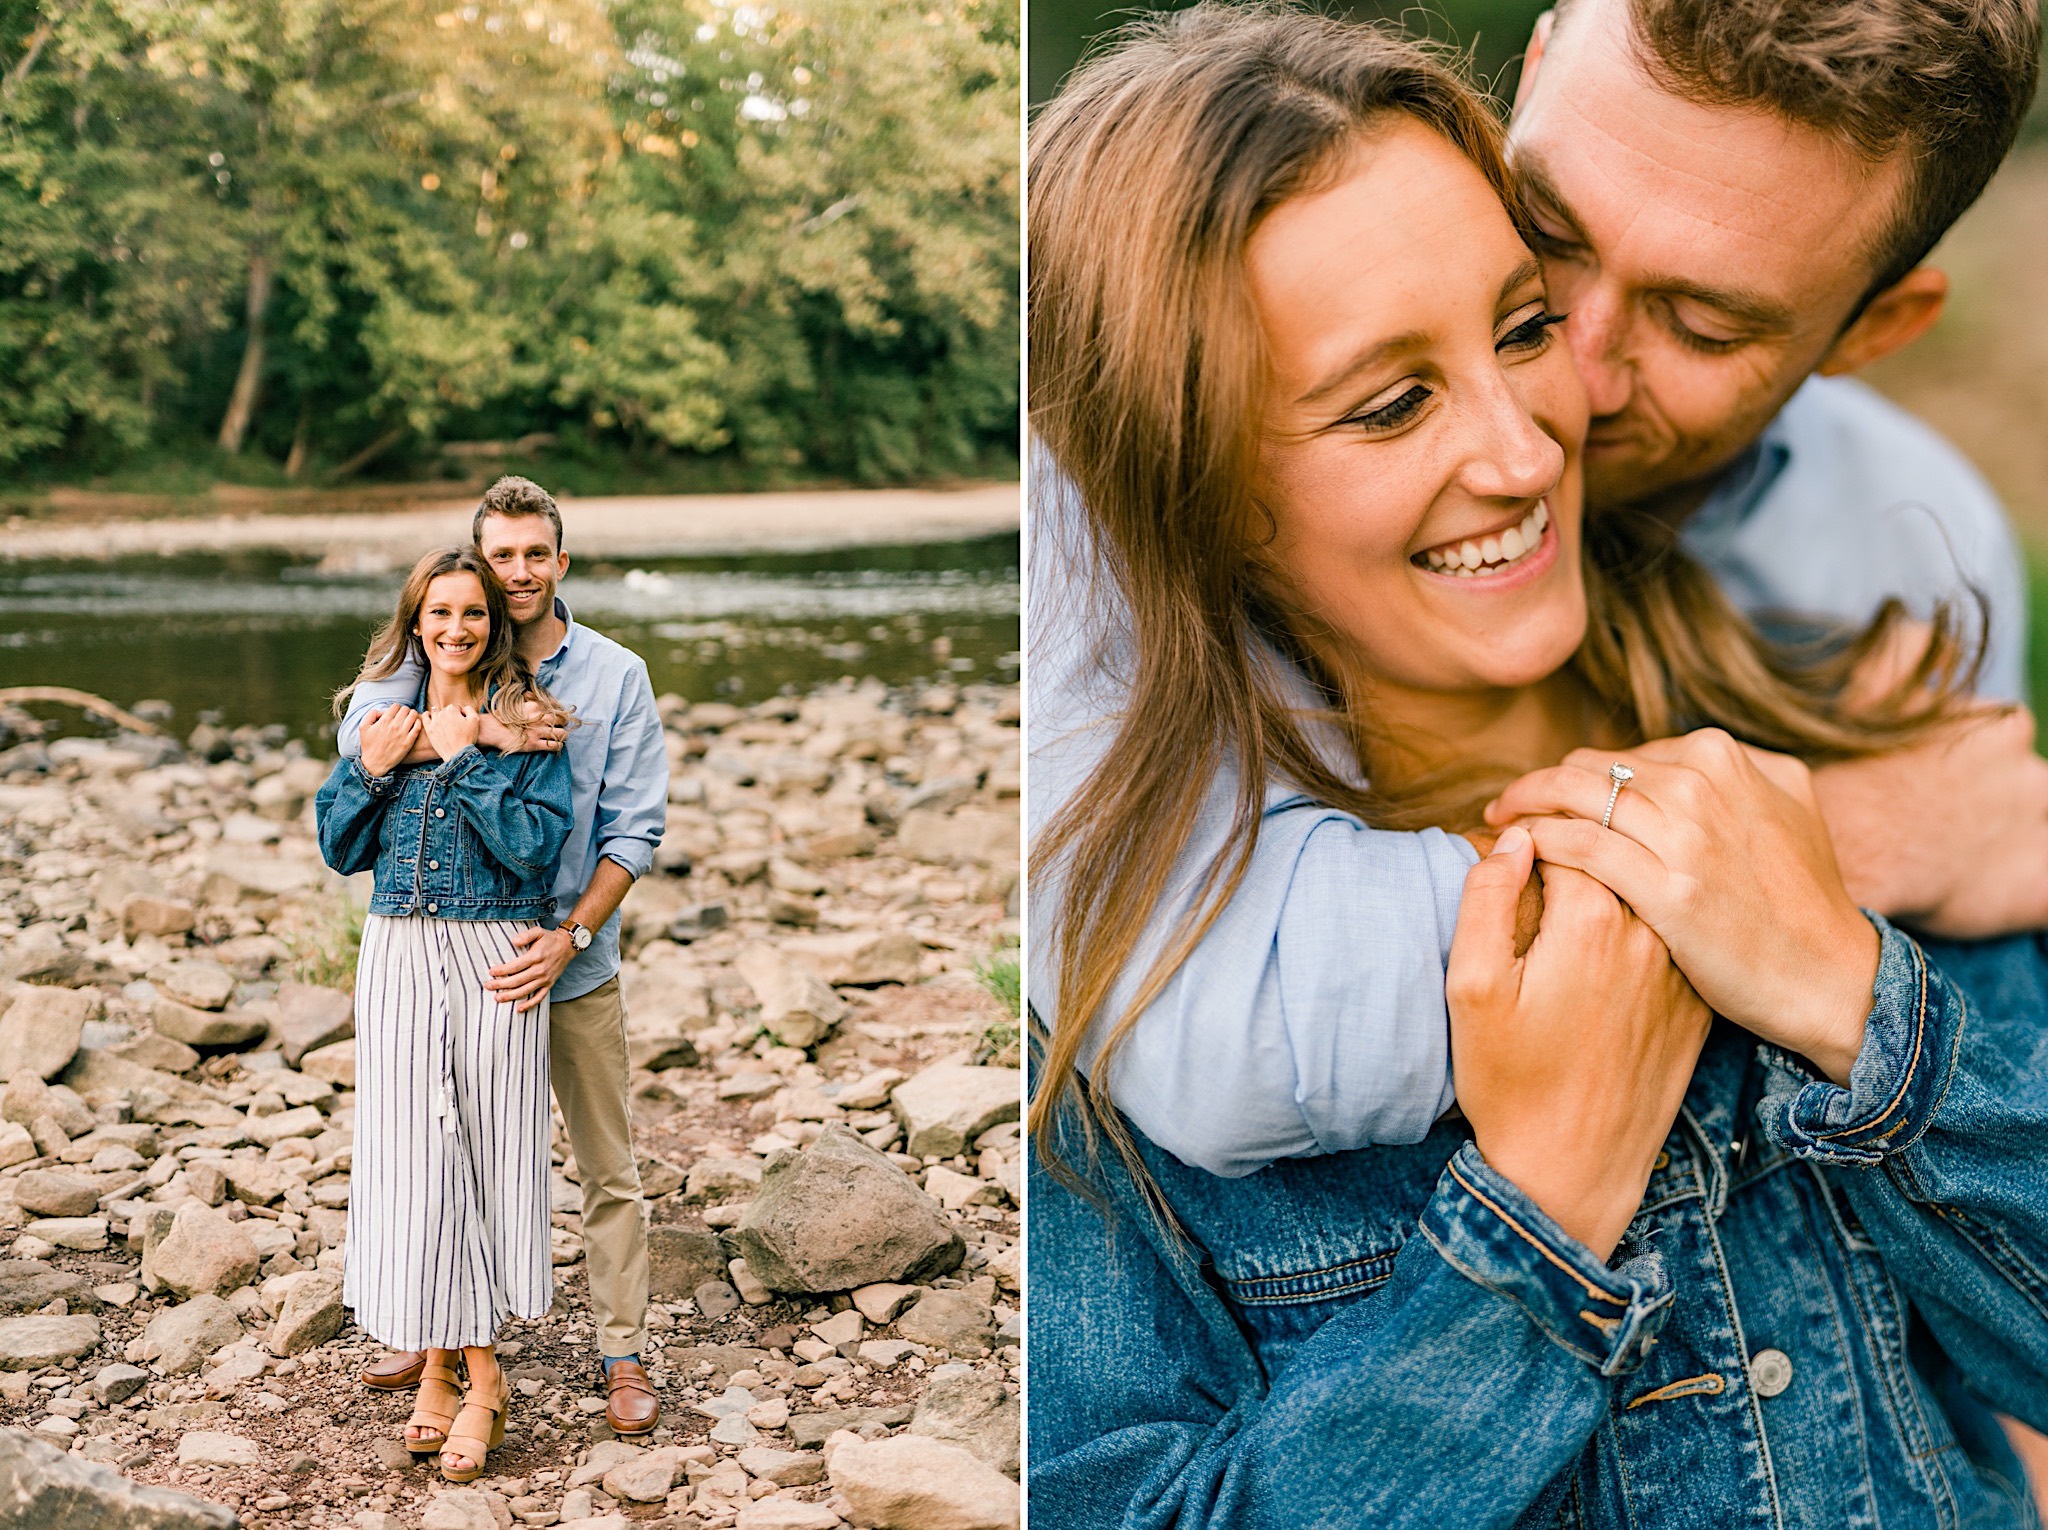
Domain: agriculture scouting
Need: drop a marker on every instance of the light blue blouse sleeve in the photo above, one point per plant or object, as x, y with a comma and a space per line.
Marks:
1310, 1018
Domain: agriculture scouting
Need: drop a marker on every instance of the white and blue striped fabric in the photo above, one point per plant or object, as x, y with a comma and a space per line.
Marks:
448, 1219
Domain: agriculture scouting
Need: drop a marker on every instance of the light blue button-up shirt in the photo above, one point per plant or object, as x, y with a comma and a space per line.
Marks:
618, 773
1310, 1018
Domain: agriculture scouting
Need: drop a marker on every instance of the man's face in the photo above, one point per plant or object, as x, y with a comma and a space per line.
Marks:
1708, 256
522, 553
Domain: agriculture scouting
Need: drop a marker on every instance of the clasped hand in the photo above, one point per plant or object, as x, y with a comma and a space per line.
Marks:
390, 734
1721, 850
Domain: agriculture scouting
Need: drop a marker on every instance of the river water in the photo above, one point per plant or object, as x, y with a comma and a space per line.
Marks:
262, 637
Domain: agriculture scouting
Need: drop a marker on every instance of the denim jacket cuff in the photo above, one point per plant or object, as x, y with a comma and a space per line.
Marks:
464, 760
1898, 1079
1493, 1234
376, 786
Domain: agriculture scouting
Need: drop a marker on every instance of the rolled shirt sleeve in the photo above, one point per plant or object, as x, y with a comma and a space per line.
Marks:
401, 686
632, 804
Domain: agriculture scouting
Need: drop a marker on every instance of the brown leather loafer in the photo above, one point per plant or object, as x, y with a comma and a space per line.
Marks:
396, 1371
630, 1404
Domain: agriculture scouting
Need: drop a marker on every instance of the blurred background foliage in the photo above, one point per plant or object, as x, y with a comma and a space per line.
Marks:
1981, 377
654, 242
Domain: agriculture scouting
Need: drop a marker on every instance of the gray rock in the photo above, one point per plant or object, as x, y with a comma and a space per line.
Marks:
680, 1259
87, 1234
148, 914
860, 958
201, 984
810, 1430
113, 1383
718, 1180
784, 1468
311, 1315
986, 836
797, 1006
299, 1121
647, 1476
28, 1100
204, 1254
39, 1029
54, 1193
41, 1485
978, 1412
204, 1447
715, 1299
840, 1215
27, 1284
948, 1105
153, 1051
724, 1359
35, 1343
659, 1177
204, 1028
923, 1484
458, 1509
948, 1320
179, 1339
310, 1017
334, 1064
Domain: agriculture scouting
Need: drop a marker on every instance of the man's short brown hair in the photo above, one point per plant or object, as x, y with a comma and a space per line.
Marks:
1947, 81
516, 496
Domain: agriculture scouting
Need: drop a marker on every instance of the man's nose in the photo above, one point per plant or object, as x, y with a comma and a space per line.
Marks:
1597, 332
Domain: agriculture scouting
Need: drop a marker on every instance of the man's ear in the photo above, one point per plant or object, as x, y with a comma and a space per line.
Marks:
1539, 37
1896, 317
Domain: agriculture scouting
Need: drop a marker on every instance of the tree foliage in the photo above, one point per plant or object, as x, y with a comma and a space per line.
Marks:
331, 232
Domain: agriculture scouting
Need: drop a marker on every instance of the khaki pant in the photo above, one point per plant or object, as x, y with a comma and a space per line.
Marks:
587, 1052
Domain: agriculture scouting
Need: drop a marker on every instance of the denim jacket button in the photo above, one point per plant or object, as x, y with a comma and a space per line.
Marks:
440, 812
435, 908
1770, 1372
433, 865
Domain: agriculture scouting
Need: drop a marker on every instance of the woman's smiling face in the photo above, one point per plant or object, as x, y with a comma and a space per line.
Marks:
1420, 444
454, 624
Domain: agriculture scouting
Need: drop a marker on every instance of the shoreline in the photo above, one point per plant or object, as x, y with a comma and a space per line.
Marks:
646, 526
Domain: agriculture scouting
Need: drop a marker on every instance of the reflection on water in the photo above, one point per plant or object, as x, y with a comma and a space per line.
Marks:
263, 637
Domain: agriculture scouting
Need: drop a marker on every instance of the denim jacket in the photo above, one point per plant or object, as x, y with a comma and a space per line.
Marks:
1823, 1295
473, 837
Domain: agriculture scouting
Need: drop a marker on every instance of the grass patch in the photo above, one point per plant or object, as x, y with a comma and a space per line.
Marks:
1003, 976
321, 944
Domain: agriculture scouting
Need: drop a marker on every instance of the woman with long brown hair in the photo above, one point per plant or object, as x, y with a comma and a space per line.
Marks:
448, 1228
1293, 356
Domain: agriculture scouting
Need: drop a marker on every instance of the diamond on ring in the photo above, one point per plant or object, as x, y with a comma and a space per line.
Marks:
1620, 775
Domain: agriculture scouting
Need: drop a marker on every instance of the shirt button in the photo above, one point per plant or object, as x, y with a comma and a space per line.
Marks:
1770, 1372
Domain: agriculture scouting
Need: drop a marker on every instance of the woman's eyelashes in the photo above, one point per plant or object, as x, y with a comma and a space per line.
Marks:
1528, 338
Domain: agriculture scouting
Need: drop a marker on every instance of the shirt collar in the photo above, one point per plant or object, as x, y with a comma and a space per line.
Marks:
568, 634
1744, 483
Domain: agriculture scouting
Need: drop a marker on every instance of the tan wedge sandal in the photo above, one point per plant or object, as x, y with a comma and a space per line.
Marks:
434, 1408
473, 1437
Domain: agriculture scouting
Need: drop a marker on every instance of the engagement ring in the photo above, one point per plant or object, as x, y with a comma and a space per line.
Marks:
1620, 775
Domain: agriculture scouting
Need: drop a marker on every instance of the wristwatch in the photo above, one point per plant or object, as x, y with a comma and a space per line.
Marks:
579, 937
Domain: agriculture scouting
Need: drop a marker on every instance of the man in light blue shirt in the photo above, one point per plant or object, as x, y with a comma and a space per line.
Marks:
618, 777
1715, 254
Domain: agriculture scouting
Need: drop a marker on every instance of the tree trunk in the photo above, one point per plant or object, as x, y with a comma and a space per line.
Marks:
234, 425
371, 453
302, 443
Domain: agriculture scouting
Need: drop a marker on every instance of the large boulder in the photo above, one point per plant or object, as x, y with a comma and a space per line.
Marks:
179, 1339
797, 1006
310, 1017
42, 1485
840, 1215
204, 1254
40, 1027
975, 1411
311, 1314
36, 1343
914, 1483
948, 1105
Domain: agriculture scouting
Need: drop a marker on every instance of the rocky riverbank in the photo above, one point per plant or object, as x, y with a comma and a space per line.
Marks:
825, 1099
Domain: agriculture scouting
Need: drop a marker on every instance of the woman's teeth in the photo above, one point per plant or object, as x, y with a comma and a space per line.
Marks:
1476, 560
